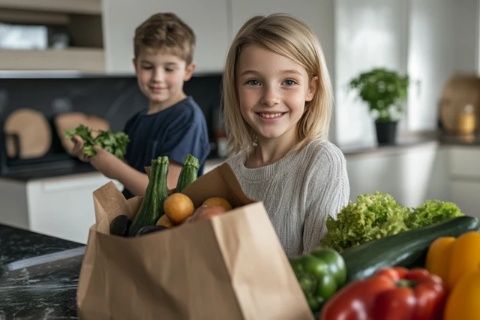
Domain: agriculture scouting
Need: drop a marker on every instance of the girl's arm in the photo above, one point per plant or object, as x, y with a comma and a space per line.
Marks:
330, 191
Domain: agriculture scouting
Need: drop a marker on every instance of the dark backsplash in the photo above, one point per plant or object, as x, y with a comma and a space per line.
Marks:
115, 98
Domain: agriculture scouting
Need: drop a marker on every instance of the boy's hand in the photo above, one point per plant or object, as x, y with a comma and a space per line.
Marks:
77, 150
86, 145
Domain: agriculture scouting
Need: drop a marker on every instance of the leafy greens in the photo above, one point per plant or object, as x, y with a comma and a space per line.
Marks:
377, 215
432, 211
115, 143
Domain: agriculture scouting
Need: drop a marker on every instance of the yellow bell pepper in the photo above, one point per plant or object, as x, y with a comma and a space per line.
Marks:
438, 256
463, 301
465, 256
451, 258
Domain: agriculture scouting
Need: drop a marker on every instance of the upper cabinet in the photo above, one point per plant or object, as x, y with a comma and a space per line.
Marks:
100, 32
63, 6
73, 29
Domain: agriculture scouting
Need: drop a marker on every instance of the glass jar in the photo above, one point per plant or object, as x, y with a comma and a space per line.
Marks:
466, 121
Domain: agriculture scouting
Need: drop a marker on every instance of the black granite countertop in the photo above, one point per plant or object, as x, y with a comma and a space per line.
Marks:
47, 170
38, 275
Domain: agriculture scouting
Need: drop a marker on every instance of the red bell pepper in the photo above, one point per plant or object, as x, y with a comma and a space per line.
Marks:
391, 293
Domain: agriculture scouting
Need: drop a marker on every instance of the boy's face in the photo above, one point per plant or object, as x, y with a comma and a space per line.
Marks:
161, 76
272, 91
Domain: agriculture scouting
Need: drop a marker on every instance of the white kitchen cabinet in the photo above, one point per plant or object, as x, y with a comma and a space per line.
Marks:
466, 195
58, 206
464, 174
207, 18
13, 203
411, 174
465, 163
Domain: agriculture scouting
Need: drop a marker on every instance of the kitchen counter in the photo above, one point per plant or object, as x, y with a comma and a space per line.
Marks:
48, 170
473, 141
405, 141
414, 139
38, 275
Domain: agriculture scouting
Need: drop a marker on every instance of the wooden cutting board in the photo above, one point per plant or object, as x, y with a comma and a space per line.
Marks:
33, 132
70, 120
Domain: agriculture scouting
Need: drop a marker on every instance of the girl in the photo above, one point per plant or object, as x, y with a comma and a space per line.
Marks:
277, 104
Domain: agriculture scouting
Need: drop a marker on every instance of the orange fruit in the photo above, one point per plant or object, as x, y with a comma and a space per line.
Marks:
164, 222
178, 207
207, 212
211, 211
218, 201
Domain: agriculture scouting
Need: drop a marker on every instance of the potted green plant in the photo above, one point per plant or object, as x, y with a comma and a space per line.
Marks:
384, 91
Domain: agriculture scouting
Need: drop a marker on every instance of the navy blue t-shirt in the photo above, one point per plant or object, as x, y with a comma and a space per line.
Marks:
174, 132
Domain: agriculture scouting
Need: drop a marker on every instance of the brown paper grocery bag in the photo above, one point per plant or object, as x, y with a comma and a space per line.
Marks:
230, 267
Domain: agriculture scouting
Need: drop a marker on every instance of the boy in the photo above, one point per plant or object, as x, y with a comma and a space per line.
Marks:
173, 125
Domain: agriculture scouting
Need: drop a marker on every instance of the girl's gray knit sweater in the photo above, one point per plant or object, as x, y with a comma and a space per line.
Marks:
299, 192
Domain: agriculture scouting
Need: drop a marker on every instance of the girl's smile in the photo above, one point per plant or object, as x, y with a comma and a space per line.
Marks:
270, 115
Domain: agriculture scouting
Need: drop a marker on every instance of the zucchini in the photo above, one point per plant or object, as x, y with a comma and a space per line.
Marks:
151, 208
405, 249
188, 174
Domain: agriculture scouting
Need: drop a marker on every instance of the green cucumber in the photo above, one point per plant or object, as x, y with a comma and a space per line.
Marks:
188, 174
151, 208
403, 249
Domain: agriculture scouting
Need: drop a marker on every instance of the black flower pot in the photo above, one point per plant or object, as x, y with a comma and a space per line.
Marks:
386, 132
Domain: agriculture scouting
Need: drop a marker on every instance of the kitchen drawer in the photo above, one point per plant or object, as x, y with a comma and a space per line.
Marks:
465, 162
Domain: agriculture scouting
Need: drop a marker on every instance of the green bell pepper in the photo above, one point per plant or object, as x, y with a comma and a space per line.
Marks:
320, 274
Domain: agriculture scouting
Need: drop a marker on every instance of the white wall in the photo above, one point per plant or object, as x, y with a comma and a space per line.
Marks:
208, 19
443, 41
369, 33
319, 15
214, 21
429, 39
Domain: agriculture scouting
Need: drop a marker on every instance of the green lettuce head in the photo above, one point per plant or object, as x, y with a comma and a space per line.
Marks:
371, 216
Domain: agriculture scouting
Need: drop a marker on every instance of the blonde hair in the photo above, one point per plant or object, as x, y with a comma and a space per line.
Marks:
289, 37
165, 32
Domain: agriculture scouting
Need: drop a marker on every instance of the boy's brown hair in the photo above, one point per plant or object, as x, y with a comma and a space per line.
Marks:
168, 33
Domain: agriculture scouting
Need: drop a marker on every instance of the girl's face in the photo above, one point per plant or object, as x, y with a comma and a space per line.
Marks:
161, 77
272, 91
